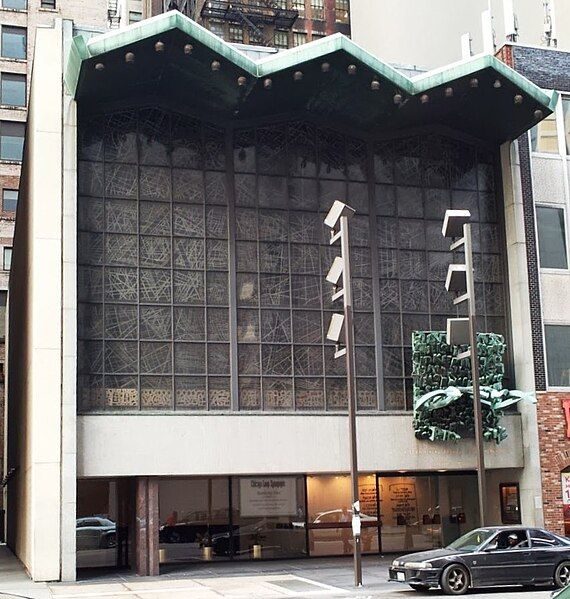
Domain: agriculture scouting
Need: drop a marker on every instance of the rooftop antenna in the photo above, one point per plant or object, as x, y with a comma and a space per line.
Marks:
466, 50
549, 37
511, 23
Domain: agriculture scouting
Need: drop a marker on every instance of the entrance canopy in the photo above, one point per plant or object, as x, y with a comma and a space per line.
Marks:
170, 59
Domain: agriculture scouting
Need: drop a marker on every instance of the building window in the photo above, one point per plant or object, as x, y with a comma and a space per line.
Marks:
551, 237
13, 42
282, 4
299, 39
236, 34
544, 137
281, 39
11, 140
13, 89
48, 4
9, 200
298, 5
3, 297
217, 28
342, 11
566, 112
557, 356
15, 4
135, 16
7, 258
318, 9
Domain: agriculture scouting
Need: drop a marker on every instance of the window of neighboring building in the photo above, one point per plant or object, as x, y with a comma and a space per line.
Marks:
544, 137
7, 258
342, 9
566, 112
217, 28
298, 5
281, 39
318, 9
135, 16
299, 39
15, 4
13, 42
11, 140
551, 237
317, 36
13, 89
48, 4
9, 200
282, 4
557, 356
3, 298
236, 34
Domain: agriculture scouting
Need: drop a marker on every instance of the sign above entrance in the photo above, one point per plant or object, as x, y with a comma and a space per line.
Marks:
268, 496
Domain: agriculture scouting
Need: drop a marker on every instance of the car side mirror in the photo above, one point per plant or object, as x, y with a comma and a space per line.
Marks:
492, 547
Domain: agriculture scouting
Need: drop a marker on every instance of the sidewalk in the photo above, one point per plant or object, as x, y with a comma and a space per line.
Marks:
14, 579
324, 577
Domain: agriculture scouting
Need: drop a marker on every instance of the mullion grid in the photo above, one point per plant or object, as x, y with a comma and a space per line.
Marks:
290, 245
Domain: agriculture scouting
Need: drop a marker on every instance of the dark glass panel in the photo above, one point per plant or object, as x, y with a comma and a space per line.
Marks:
154, 136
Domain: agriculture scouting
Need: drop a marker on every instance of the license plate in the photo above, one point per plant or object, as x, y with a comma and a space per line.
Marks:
400, 576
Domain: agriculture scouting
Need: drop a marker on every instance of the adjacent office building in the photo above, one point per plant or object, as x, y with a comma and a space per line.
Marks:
543, 160
172, 396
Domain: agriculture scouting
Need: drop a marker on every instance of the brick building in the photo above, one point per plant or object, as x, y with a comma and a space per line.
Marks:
273, 23
19, 20
544, 162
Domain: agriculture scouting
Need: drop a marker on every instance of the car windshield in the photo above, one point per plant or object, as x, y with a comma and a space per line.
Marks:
471, 540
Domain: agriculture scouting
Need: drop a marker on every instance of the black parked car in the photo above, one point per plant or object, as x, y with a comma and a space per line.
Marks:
485, 557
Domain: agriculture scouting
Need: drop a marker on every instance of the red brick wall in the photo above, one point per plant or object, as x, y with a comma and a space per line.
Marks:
554, 455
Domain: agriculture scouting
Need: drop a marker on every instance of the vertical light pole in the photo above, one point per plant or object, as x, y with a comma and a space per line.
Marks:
463, 331
337, 220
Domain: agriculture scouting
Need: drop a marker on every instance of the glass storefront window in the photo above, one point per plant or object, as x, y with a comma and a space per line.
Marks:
330, 514
194, 519
101, 527
425, 512
268, 517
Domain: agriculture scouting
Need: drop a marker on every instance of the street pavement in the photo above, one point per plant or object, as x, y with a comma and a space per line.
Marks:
326, 577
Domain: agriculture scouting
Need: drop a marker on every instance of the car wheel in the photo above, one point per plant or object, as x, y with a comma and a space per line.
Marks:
110, 541
562, 575
455, 580
419, 587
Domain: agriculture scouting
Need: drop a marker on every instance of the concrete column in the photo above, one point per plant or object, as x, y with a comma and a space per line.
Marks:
530, 485
146, 527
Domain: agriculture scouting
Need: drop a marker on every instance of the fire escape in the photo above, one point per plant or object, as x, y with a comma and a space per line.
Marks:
252, 14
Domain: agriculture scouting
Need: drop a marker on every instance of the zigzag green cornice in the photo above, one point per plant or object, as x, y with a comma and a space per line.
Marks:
82, 50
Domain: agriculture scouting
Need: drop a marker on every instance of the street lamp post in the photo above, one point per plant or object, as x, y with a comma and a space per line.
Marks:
337, 221
463, 331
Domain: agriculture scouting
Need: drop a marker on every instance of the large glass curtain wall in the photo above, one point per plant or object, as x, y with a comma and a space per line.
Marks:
202, 257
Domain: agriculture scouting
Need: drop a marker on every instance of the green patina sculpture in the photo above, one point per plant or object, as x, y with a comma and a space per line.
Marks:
443, 395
